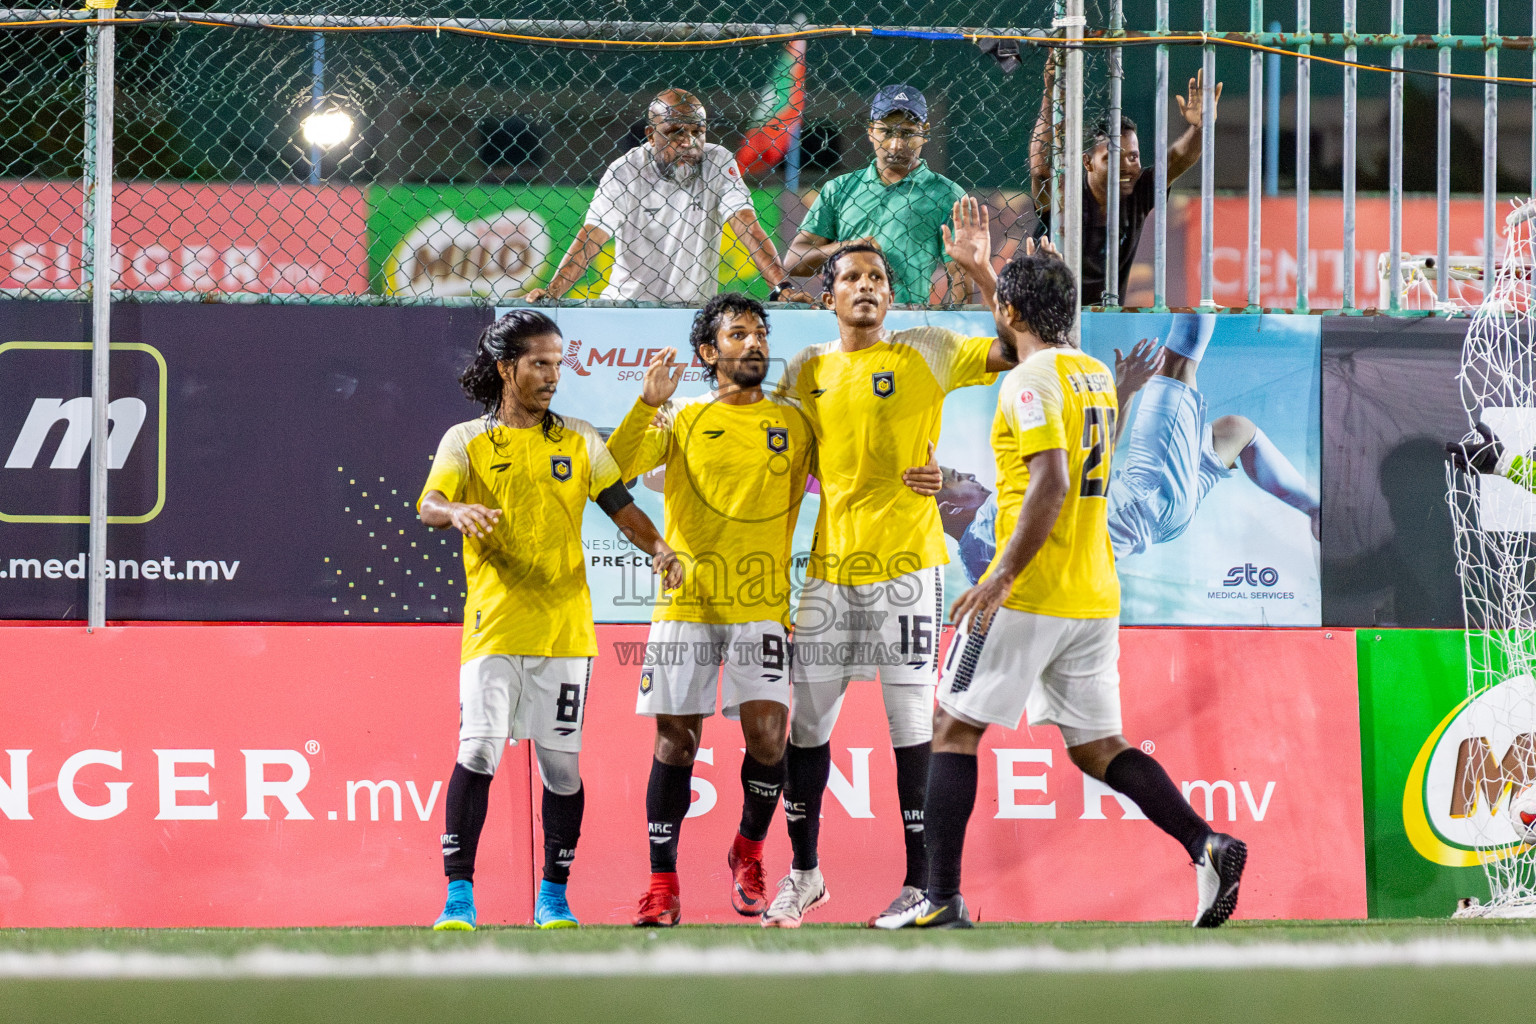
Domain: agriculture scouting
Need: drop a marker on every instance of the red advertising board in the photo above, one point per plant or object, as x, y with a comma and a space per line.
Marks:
197, 238
249, 775
1325, 268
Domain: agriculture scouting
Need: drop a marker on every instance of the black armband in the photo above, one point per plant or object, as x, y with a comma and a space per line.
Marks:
614, 498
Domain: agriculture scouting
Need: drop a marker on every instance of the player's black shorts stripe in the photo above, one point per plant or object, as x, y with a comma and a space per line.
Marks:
969, 656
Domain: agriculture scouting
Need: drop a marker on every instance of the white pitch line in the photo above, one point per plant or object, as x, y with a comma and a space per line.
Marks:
675, 961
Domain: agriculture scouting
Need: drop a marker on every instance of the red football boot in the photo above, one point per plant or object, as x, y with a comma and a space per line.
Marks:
749, 892
660, 905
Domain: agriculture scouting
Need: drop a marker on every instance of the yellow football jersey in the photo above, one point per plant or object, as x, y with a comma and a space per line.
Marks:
527, 580
874, 412
1060, 398
735, 479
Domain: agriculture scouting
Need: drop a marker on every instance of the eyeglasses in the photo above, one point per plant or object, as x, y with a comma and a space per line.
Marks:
885, 134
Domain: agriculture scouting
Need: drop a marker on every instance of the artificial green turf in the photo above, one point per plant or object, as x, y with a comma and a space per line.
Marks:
1068, 936
1345, 995
1398, 995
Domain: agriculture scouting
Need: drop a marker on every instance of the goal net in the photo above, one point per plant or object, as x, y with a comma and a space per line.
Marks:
1494, 521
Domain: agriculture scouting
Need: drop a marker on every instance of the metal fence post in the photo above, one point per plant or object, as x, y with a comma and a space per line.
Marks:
1160, 170
1303, 157
1207, 159
1490, 146
1112, 297
1395, 170
1351, 140
101, 309
1256, 156
1443, 165
1072, 128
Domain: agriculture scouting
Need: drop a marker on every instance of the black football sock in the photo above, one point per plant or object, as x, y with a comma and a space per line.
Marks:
667, 797
761, 785
805, 780
951, 798
1143, 780
912, 792
562, 828
469, 793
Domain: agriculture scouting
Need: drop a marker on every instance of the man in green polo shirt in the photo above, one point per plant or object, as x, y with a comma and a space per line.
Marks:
896, 202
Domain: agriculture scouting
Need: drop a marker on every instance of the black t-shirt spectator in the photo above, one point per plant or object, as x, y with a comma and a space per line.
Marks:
1134, 211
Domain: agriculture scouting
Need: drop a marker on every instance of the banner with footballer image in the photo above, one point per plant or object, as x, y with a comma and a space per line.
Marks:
1231, 532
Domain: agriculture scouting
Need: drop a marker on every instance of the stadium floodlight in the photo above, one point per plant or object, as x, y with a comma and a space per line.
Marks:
326, 128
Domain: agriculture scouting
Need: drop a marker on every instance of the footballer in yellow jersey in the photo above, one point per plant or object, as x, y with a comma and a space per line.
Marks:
1039, 635
515, 484
736, 465
873, 604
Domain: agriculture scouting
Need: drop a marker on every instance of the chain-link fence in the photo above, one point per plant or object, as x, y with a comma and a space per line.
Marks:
256, 157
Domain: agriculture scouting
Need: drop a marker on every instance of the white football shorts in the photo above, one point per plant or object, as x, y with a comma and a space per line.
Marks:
523, 697
685, 660
1061, 672
887, 630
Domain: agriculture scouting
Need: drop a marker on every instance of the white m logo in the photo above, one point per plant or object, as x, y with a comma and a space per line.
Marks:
125, 415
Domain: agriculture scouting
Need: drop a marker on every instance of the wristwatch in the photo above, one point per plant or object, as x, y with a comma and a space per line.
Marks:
778, 289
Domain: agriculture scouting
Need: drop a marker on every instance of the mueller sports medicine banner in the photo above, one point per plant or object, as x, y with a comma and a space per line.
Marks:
266, 462
269, 776
1240, 557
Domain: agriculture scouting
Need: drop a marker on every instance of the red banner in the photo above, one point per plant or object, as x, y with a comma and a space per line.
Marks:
292, 775
1325, 268
198, 238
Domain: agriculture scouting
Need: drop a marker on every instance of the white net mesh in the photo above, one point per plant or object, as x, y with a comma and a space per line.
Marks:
1488, 750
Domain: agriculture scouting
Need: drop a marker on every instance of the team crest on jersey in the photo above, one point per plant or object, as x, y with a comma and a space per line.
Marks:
560, 467
645, 682
778, 439
884, 384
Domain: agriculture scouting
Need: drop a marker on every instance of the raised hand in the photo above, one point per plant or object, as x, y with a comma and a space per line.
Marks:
661, 378
1133, 371
1042, 246
1193, 109
970, 243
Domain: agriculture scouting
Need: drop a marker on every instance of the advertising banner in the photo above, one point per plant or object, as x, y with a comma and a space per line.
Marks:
270, 239
260, 776
266, 461
1390, 402
1218, 548
501, 240
1416, 726
251, 777
1325, 268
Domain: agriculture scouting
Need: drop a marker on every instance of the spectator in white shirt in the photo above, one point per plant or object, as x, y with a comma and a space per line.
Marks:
666, 204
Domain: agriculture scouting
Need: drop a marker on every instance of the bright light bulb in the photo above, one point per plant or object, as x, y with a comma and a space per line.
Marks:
326, 128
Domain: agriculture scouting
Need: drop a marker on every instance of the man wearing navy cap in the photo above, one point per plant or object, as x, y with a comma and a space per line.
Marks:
896, 202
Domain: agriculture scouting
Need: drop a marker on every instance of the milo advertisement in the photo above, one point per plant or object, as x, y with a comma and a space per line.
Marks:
1439, 770
498, 241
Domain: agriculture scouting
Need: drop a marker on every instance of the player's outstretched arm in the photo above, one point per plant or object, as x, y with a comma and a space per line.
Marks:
471, 520
641, 532
589, 241
1047, 491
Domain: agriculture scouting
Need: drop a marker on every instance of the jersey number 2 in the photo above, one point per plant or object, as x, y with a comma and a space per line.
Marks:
1098, 433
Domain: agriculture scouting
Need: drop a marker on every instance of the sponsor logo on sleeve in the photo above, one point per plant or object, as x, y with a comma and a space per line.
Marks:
1031, 411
